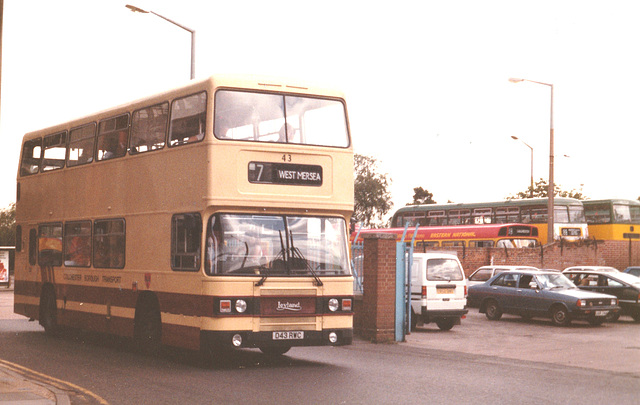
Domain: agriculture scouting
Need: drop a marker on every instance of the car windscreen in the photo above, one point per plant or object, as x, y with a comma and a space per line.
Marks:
554, 281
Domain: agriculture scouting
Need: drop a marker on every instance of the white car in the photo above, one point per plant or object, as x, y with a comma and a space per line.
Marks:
607, 269
484, 273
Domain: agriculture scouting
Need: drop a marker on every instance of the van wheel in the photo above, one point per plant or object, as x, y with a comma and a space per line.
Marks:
414, 321
445, 324
493, 311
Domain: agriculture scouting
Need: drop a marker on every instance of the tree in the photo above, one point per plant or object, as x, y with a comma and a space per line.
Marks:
422, 196
541, 191
371, 194
8, 226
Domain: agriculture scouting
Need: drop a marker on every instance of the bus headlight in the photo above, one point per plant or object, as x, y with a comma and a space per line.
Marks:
334, 305
333, 337
241, 306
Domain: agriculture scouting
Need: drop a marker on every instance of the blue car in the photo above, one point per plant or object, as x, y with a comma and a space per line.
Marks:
548, 294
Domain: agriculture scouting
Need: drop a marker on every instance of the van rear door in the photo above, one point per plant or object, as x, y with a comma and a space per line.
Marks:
445, 284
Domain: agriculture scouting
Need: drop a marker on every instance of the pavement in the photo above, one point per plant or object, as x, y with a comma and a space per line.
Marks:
19, 385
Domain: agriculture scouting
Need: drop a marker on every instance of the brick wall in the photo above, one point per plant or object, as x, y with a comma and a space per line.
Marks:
375, 312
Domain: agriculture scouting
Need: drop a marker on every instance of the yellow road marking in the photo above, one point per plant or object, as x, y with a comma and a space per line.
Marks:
22, 370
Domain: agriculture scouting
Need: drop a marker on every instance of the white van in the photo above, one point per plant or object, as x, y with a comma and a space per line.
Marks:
438, 290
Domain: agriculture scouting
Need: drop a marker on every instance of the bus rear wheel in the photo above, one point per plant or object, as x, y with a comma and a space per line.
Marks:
48, 309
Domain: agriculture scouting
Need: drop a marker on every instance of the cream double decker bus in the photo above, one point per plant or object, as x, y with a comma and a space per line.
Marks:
212, 216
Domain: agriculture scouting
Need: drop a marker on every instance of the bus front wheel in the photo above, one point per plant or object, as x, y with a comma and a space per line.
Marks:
275, 351
148, 327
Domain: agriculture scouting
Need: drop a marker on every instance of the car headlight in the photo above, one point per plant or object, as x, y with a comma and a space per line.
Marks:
334, 305
614, 301
581, 303
241, 306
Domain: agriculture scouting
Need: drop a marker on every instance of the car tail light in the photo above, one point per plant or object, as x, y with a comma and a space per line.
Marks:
424, 292
466, 291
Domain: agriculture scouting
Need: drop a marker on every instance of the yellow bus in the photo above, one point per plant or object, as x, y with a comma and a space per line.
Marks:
613, 219
211, 216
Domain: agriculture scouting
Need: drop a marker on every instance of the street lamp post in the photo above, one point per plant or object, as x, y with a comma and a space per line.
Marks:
193, 34
551, 190
530, 147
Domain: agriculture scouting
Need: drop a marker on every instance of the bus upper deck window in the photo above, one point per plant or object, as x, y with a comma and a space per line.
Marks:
262, 117
55, 150
188, 119
81, 142
113, 137
31, 154
149, 128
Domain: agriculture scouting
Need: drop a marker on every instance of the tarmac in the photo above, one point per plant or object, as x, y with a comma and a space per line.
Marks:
19, 385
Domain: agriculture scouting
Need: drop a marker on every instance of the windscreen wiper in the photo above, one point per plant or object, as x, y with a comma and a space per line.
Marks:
295, 252
283, 253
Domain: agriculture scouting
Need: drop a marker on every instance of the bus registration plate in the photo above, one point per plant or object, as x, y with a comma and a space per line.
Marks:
288, 335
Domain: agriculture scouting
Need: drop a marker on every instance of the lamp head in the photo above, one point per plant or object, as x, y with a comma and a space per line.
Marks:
514, 137
511, 79
136, 9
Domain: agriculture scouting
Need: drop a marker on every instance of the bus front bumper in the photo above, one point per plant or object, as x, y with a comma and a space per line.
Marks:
249, 339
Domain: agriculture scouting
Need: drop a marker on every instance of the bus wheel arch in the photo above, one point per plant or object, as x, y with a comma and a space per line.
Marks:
48, 310
147, 329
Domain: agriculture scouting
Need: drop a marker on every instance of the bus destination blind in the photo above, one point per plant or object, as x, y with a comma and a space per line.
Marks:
285, 174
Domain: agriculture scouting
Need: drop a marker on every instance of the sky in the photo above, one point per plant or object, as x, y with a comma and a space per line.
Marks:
426, 82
